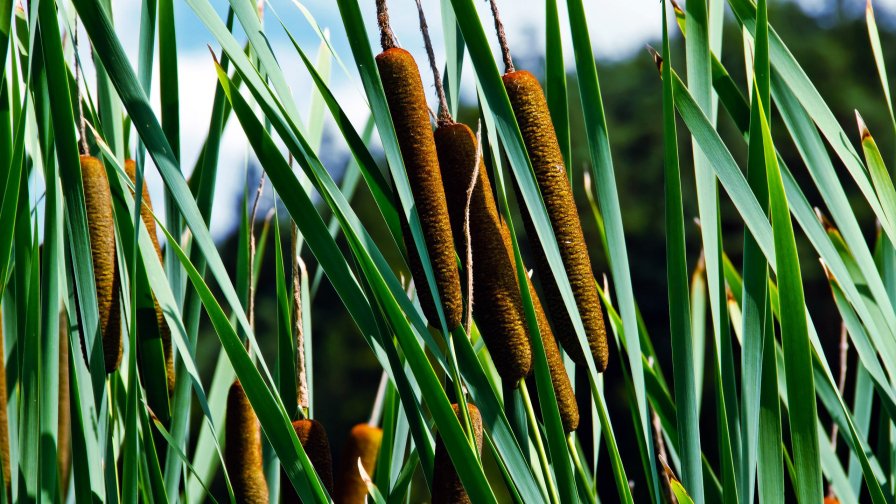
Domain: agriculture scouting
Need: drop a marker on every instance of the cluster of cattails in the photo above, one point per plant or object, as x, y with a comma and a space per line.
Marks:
243, 456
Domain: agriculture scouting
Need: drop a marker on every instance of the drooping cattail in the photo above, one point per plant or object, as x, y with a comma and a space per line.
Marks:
313, 437
146, 214
98, 201
410, 116
4, 420
242, 449
64, 422
534, 119
446, 485
363, 443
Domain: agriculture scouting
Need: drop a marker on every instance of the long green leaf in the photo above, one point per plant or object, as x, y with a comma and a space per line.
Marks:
679, 303
802, 410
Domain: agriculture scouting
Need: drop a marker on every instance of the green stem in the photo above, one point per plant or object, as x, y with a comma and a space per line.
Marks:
458, 388
577, 461
539, 445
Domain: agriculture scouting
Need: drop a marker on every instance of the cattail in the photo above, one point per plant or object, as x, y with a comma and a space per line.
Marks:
146, 214
500, 315
98, 201
4, 425
64, 422
410, 115
364, 444
534, 119
313, 437
242, 449
446, 485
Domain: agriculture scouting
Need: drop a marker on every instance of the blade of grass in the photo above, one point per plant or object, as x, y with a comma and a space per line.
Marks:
699, 80
755, 270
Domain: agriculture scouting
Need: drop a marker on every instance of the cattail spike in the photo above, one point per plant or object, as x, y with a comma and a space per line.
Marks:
146, 214
100, 223
4, 425
410, 115
242, 449
363, 444
531, 110
566, 398
500, 316
446, 485
313, 437
64, 422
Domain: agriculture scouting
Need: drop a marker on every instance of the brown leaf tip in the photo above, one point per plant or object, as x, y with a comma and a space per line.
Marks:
825, 222
678, 10
827, 270
657, 59
863, 128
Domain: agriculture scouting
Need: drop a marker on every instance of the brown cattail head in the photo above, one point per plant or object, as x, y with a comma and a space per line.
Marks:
500, 315
363, 443
566, 398
4, 425
242, 449
64, 422
146, 214
101, 224
410, 115
446, 485
313, 437
534, 118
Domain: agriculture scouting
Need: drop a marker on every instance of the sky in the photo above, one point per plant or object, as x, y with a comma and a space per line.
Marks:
618, 29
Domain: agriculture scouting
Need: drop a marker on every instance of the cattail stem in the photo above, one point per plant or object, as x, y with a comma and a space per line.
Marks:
252, 251
444, 114
387, 36
539, 444
841, 386
82, 123
580, 467
660, 445
502, 38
